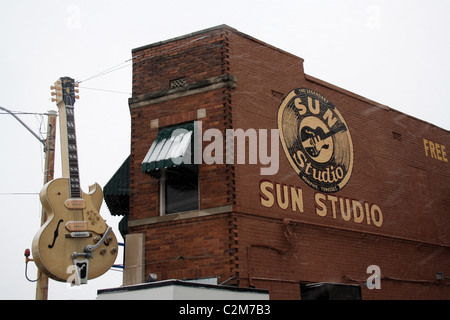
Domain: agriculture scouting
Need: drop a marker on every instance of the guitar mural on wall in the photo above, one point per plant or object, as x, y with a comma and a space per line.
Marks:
74, 244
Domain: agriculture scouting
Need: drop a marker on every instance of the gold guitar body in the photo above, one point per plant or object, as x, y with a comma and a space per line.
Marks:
71, 226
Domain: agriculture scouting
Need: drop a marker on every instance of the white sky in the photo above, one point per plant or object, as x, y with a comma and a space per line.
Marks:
394, 52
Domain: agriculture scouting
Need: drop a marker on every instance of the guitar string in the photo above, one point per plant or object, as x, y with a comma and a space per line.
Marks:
77, 214
80, 212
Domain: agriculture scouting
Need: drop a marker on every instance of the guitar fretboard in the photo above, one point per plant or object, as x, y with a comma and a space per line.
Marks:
74, 176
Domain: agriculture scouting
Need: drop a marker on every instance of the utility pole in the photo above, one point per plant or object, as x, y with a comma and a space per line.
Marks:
49, 148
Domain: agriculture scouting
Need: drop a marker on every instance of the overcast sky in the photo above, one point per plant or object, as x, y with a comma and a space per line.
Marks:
394, 52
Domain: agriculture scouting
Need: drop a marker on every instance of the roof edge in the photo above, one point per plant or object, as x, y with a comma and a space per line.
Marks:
218, 27
366, 100
192, 34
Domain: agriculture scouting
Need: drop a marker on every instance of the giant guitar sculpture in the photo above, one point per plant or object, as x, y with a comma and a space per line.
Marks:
75, 243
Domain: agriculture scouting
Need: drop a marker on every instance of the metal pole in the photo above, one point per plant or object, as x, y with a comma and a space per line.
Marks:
42, 283
23, 124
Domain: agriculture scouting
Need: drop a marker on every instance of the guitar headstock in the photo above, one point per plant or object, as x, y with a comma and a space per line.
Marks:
64, 91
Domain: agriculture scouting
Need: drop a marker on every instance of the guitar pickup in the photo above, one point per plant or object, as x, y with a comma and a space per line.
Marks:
77, 226
75, 204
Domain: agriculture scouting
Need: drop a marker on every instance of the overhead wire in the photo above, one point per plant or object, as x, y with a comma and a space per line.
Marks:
131, 61
105, 90
18, 193
124, 64
27, 113
109, 70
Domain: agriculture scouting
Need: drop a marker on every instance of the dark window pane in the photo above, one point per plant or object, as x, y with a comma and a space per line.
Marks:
329, 291
181, 189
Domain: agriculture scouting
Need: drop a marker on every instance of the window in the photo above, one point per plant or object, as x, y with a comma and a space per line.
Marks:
179, 189
329, 291
170, 159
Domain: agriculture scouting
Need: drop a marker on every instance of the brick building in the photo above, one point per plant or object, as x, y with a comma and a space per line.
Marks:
329, 183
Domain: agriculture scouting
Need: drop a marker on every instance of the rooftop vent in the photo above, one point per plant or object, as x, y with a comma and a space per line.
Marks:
277, 95
178, 83
396, 136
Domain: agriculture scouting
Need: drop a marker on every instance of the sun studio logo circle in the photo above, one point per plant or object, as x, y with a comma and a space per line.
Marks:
316, 140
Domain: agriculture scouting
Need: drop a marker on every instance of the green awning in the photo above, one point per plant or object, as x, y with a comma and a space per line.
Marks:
171, 148
117, 191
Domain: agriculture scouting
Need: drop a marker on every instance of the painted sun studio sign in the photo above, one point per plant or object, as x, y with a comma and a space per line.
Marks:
317, 143
316, 140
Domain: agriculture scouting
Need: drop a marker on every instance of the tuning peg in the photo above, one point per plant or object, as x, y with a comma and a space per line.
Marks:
57, 93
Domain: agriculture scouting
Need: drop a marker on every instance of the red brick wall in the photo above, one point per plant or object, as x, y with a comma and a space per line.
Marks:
198, 247
189, 249
315, 253
198, 57
252, 243
411, 189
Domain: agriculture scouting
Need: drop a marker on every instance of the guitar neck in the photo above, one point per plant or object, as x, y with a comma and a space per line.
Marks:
69, 150
74, 176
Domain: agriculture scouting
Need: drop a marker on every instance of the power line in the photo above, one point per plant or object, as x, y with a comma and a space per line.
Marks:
25, 126
18, 193
130, 62
109, 70
26, 113
106, 90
